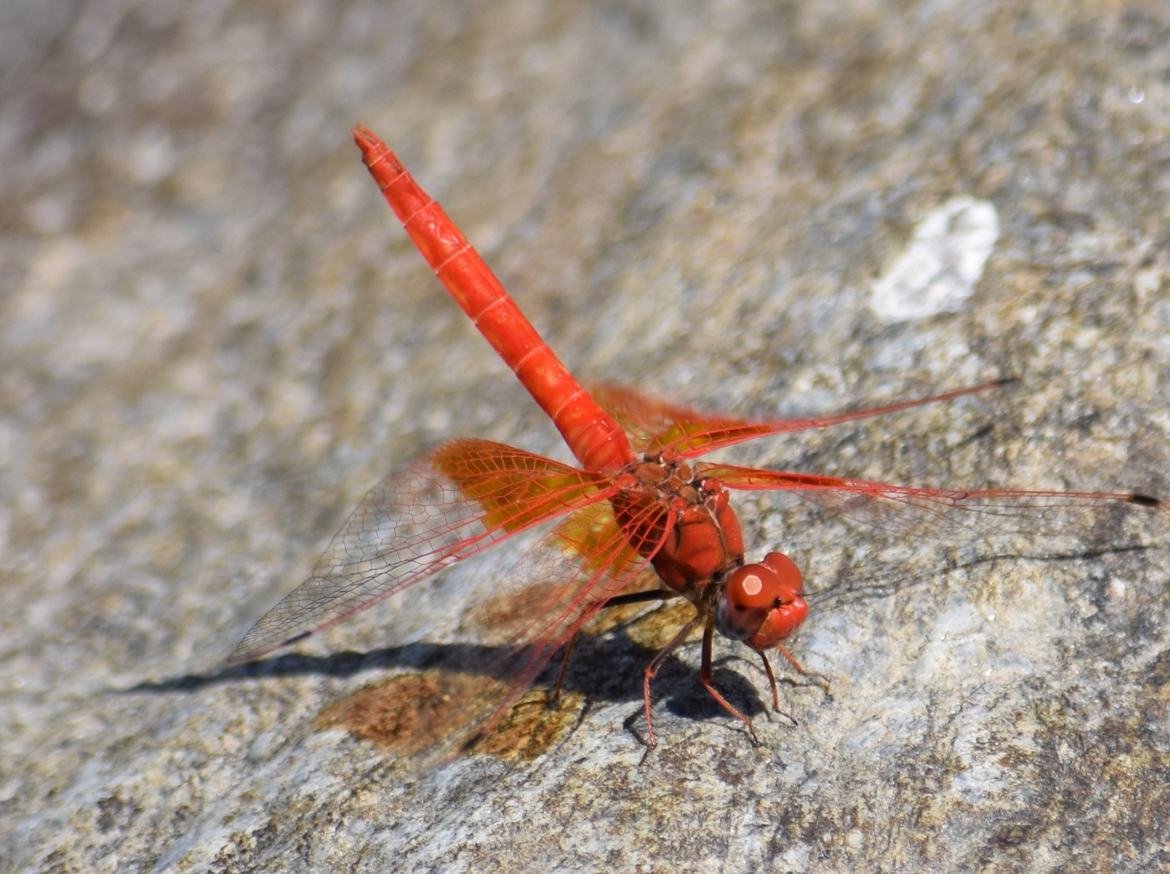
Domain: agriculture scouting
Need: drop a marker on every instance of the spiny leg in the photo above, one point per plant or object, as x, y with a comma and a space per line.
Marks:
651, 669
555, 697
771, 680
706, 680
775, 690
820, 679
619, 600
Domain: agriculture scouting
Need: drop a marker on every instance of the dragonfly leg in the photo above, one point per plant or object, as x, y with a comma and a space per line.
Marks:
820, 679
617, 601
706, 681
652, 669
555, 697
771, 680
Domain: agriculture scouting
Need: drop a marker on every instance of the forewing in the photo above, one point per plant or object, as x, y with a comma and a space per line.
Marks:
452, 503
962, 517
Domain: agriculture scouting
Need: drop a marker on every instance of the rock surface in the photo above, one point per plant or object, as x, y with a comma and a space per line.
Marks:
214, 338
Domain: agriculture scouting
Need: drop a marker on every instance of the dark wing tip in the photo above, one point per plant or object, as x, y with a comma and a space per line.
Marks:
1146, 500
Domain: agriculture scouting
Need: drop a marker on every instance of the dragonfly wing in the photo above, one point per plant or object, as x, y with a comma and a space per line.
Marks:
651, 423
961, 517
557, 584
656, 425
452, 503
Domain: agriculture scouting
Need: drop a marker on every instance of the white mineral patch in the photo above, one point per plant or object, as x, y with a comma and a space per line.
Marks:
942, 264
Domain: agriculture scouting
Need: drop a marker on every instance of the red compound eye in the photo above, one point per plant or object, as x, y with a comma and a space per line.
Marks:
788, 576
762, 603
749, 589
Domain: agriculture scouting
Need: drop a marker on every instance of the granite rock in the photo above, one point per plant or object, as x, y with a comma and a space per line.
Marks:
214, 338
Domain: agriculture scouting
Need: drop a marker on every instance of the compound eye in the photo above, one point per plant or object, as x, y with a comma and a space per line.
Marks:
752, 593
762, 603
752, 587
788, 578
789, 609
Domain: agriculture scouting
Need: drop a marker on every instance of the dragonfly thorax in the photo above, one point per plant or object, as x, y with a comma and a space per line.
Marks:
701, 553
668, 477
703, 542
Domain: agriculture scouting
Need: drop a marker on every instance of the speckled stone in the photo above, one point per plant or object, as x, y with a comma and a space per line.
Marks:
214, 338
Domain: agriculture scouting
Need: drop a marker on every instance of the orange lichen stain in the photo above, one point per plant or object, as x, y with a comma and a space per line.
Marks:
404, 714
412, 713
532, 726
657, 627
620, 616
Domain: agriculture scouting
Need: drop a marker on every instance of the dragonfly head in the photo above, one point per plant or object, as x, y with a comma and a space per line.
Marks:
762, 603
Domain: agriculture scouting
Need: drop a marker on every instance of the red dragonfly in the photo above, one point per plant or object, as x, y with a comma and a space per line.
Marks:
636, 502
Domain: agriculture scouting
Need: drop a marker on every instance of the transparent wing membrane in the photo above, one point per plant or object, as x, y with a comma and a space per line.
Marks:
453, 503
961, 517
